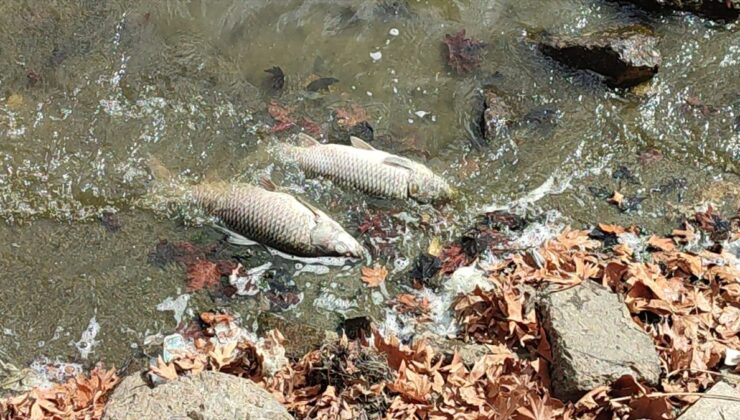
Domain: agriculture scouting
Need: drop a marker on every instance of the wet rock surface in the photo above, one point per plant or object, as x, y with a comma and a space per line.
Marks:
497, 116
716, 9
625, 57
715, 409
594, 341
208, 395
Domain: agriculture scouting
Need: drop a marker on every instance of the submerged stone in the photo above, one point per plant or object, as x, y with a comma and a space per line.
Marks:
594, 340
497, 116
715, 9
625, 57
208, 395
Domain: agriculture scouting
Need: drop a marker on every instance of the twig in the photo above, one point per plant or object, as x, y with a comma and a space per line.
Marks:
711, 372
677, 394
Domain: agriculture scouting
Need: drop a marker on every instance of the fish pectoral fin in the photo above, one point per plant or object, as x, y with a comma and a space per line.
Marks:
399, 162
307, 141
360, 143
267, 184
235, 238
314, 209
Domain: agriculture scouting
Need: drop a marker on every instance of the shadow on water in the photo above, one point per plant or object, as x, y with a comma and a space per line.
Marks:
91, 89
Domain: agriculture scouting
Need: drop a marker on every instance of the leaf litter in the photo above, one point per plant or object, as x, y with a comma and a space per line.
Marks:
683, 295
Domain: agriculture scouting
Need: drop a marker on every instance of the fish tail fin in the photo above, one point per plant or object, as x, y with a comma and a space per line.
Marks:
164, 188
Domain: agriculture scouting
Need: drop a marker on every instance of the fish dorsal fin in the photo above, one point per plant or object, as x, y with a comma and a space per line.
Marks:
309, 206
307, 141
399, 162
360, 143
266, 183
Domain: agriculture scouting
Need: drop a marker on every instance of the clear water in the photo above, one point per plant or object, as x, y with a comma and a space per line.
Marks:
91, 89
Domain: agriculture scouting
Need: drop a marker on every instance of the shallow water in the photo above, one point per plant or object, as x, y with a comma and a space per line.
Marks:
91, 90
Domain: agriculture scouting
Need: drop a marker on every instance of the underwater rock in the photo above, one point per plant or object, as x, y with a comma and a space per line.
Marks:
714, 9
277, 78
357, 326
594, 340
625, 57
497, 116
208, 395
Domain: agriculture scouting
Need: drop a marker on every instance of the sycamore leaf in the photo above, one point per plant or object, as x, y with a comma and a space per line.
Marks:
223, 355
165, 370
374, 277
663, 244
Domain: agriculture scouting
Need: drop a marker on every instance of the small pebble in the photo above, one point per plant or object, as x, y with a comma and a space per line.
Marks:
377, 55
421, 114
394, 32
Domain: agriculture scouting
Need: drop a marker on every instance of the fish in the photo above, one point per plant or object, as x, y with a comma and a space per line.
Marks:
276, 219
370, 170
261, 214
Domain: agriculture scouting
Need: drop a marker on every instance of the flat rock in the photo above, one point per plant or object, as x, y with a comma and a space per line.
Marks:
715, 9
209, 395
594, 340
625, 57
715, 409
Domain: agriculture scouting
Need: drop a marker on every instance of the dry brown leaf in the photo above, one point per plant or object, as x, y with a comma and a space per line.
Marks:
165, 370
374, 277
617, 198
663, 244
612, 229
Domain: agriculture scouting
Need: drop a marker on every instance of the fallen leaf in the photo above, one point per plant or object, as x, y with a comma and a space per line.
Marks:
203, 274
165, 370
663, 244
374, 277
435, 247
463, 54
351, 116
617, 198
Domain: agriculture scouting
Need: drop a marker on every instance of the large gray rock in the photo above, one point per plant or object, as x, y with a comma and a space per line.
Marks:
625, 57
209, 395
716, 9
594, 340
715, 409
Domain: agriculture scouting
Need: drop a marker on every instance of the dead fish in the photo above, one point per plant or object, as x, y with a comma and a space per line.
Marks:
370, 170
262, 214
275, 219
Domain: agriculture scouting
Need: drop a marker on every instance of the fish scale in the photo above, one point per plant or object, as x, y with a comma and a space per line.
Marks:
274, 219
353, 167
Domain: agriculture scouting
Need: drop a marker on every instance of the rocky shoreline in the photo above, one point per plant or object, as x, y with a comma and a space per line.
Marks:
609, 321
